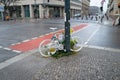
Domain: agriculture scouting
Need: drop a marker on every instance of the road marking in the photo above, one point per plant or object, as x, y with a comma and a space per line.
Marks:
12, 44
14, 59
18, 43
35, 38
102, 48
47, 34
0, 46
85, 42
16, 51
26, 40
41, 36
79, 30
7, 49
32, 44
92, 35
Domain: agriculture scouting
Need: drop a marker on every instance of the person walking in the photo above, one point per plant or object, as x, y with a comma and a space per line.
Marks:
106, 16
101, 19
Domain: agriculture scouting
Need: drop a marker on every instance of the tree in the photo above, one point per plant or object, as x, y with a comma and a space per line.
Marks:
7, 4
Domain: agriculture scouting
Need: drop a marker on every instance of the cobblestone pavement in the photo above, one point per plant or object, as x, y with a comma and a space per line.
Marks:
89, 64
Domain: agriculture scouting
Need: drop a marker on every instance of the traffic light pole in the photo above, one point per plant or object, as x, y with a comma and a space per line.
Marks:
67, 25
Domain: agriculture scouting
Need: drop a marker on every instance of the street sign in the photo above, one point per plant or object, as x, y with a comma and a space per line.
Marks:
1, 8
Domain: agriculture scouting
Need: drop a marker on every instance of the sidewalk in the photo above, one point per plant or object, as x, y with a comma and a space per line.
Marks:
89, 64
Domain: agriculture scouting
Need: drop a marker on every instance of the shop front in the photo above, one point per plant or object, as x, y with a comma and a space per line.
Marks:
1, 12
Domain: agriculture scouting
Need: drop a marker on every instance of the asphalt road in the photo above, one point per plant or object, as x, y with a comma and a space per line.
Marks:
14, 32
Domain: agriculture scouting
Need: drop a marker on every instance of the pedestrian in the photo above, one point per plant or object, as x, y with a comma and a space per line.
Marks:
86, 17
82, 17
99, 17
102, 16
14, 16
91, 17
119, 21
116, 21
96, 17
106, 16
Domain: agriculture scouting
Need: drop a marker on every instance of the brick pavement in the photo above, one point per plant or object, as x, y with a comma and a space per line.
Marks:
89, 64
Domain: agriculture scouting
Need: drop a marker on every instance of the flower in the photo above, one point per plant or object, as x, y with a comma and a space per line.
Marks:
71, 30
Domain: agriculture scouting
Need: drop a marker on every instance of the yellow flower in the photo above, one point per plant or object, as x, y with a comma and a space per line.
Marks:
71, 30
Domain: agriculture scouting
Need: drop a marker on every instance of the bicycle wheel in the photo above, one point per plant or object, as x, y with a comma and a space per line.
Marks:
75, 44
46, 48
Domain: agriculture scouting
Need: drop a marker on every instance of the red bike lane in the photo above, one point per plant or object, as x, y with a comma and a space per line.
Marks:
34, 43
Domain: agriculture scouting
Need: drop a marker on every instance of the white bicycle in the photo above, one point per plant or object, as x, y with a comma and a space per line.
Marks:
49, 47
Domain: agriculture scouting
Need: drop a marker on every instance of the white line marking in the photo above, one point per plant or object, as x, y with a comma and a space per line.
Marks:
102, 48
7, 48
0, 46
92, 35
12, 44
26, 40
14, 59
111, 49
41, 36
35, 38
47, 34
85, 42
18, 43
16, 51
80, 29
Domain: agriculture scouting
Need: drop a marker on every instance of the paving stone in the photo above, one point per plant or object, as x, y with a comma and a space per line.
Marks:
89, 64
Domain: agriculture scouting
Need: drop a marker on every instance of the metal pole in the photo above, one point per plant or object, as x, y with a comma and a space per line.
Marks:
67, 25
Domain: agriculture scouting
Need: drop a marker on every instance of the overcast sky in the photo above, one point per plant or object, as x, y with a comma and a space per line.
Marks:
98, 3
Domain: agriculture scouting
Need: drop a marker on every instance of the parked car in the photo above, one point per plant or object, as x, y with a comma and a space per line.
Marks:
77, 15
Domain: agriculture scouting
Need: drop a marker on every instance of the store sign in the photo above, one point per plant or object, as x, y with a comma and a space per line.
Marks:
1, 8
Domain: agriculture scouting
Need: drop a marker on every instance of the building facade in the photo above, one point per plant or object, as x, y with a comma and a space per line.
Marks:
113, 7
43, 8
93, 10
85, 7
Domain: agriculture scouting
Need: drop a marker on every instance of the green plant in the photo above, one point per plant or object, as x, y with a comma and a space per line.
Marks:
61, 53
72, 42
